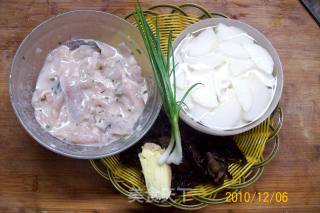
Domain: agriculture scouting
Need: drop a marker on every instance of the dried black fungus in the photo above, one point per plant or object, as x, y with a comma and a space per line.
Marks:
205, 157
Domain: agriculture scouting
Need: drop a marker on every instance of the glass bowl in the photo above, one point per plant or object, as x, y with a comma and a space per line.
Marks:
277, 72
29, 59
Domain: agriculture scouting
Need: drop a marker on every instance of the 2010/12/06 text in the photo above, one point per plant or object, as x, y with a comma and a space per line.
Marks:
261, 197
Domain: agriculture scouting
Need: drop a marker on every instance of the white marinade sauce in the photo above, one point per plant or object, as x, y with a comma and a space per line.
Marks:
235, 72
87, 96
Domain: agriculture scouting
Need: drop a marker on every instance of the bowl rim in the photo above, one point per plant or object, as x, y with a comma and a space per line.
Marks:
45, 145
277, 93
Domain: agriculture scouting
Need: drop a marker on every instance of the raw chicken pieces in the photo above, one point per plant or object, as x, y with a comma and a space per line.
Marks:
91, 97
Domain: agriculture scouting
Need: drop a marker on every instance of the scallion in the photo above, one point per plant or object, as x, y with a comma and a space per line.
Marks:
163, 68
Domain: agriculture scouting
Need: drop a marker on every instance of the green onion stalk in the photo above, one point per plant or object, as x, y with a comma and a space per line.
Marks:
165, 78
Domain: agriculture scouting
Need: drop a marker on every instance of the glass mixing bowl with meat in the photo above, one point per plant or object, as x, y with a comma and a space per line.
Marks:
89, 92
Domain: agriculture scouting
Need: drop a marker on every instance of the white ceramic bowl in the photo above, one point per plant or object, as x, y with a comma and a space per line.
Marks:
277, 72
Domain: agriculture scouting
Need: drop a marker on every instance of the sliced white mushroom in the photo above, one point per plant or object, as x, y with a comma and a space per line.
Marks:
182, 48
225, 115
208, 61
222, 73
195, 75
234, 34
180, 74
181, 81
205, 94
205, 97
260, 56
233, 49
199, 67
243, 93
222, 82
197, 112
203, 43
268, 79
239, 66
261, 98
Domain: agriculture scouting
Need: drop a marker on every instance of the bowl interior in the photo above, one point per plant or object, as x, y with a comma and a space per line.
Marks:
29, 60
277, 72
